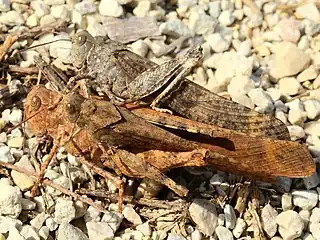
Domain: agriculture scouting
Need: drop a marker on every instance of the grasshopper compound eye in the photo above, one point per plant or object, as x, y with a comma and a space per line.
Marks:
35, 103
82, 39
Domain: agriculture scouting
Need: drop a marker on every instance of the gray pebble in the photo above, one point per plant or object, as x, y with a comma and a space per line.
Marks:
230, 216
67, 231
64, 211
223, 233
204, 214
268, 220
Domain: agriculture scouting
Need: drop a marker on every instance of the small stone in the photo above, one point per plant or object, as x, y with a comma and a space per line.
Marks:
214, 9
64, 211
315, 230
51, 224
296, 117
218, 43
239, 228
145, 229
44, 232
289, 86
204, 214
5, 154
296, 132
85, 7
32, 20
16, 142
311, 181
130, 214
40, 8
309, 11
28, 232
47, 19
316, 83
92, 214
309, 74
15, 116
10, 201
140, 47
230, 216
226, 18
174, 236
38, 221
240, 85
99, 230
61, 49
12, 18
312, 128
23, 181
14, 235
201, 23
288, 30
196, 235
312, 108
60, 11
4, 6
231, 64
290, 224
289, 60
7, 223
245, 48
223, 233
305, 199
315, 215
261, 99
67, 231
27, 204
305, 216
221, 219
142, 9
268, 220
110, 8
114, 219
217, 179
174, 27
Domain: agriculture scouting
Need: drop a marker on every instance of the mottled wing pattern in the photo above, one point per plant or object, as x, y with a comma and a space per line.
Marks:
199, 104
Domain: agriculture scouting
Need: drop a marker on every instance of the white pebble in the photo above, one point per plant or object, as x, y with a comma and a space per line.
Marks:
268, 220
204, 214
223, 233
305, 199
312, 108
239, 227
64, 211
290, 225
110, 8
131, 215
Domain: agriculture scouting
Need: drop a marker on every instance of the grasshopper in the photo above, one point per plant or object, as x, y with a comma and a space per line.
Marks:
126, 76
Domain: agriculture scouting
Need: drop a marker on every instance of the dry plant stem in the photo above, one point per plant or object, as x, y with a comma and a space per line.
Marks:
54, 185
4, 48
43, 168
116, 181
152, 203
36, 31
23, 70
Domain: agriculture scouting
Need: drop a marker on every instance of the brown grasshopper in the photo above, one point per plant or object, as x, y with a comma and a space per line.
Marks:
105, 125
92, 127
126, 76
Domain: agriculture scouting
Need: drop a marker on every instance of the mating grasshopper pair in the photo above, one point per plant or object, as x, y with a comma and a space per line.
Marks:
132, 144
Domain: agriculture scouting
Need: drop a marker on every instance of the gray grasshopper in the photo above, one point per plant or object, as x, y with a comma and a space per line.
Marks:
127, 77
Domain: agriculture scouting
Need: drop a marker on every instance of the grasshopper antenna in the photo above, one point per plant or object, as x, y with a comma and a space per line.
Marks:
43, 44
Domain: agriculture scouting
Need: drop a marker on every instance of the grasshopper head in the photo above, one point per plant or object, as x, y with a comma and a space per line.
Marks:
37, 109
82, 43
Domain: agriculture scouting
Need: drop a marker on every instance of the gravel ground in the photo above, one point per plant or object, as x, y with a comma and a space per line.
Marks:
263, 54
